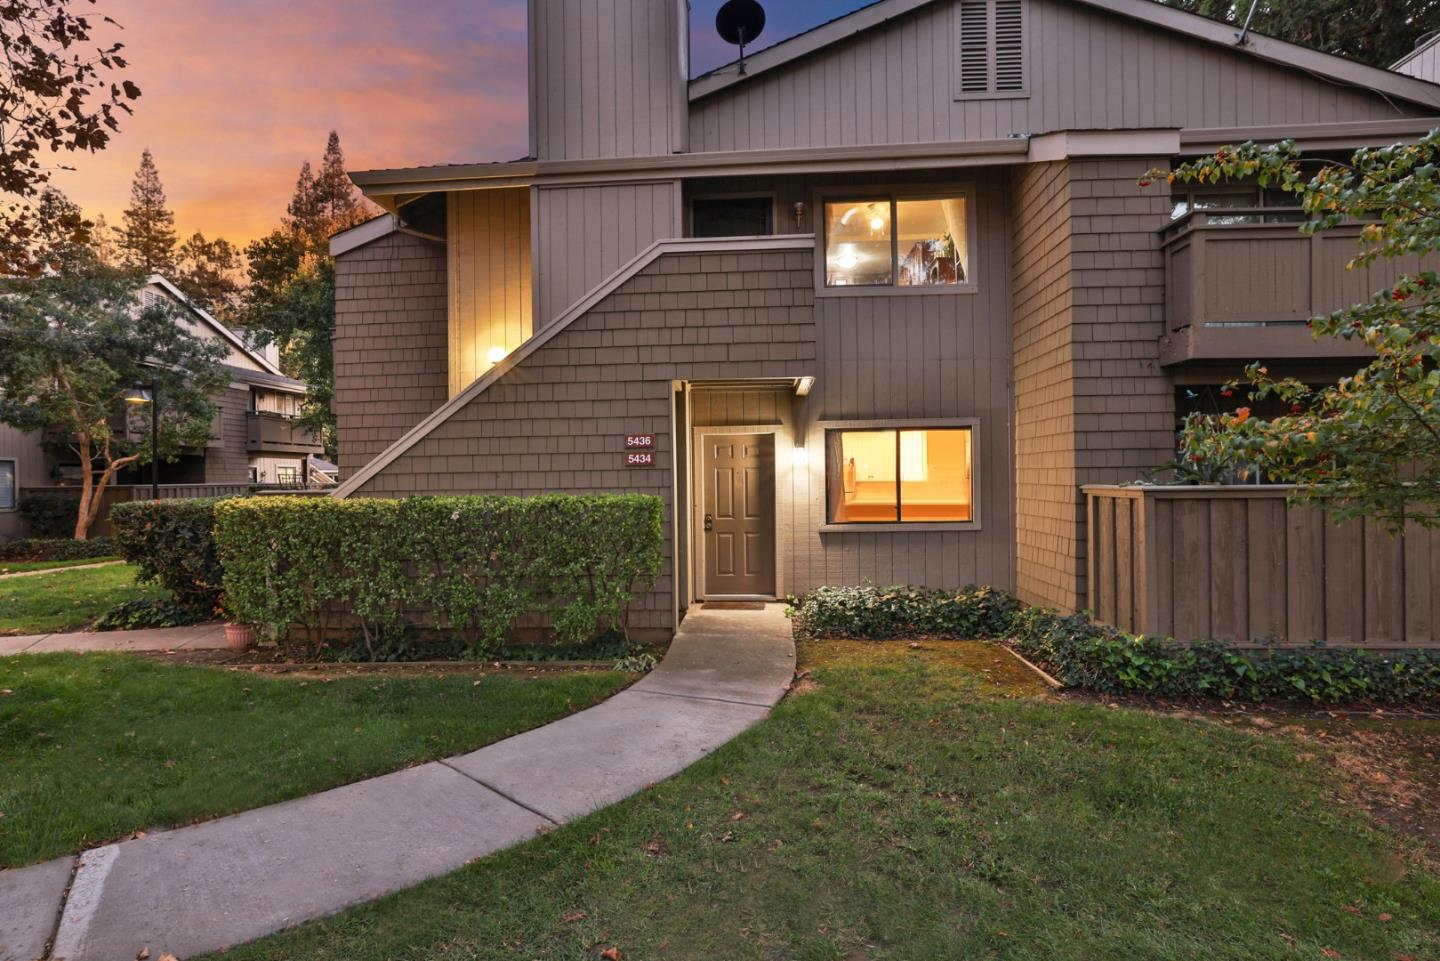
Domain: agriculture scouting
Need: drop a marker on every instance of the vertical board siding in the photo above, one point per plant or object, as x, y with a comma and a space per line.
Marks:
1086, 70
1241, 564
1423, 63
584, 234
227, 461
390, 343
605, 78
489, 278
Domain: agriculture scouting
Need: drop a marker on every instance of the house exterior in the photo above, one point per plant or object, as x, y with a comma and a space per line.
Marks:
254, 438
874, 310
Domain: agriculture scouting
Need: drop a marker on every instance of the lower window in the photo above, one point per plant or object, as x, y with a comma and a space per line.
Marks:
8, 489
907, 476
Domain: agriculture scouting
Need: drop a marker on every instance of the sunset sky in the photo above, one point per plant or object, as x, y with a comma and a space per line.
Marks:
237, 93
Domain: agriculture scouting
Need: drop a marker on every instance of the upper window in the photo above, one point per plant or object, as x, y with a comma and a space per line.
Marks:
990, 49
8, 490
906, 476
904, 242
732, 217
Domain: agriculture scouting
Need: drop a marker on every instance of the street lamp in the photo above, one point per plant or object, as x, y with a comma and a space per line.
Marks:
140, 393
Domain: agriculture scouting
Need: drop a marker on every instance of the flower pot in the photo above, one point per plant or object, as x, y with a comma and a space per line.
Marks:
238, 636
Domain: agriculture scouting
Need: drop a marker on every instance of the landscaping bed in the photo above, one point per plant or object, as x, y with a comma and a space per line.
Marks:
94, 747
930, 802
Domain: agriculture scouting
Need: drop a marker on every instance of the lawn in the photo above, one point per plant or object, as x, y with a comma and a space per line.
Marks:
14, 567
96, 746
67, 600
900, 804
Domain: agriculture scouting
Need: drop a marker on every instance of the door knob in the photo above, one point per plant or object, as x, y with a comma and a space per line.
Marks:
709, 522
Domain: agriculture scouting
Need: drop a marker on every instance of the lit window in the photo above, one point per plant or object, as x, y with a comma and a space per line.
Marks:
888, 242
925, 475
7, 485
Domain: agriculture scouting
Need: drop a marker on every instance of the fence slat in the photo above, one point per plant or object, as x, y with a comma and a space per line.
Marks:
1344, 577
1420, 586
1305, 574
1125, 563
1268, 590
1384, 575
1192, 560
1229, 571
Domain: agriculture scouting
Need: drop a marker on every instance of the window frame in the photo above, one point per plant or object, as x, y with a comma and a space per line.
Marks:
956, 68
895, 193
899, 526
14, 463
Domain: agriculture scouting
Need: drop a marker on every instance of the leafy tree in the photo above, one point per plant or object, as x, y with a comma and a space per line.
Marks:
52, 238
72, 344
57, 92
1377, 33
147, 241
1370, 443
209, 272
290, 299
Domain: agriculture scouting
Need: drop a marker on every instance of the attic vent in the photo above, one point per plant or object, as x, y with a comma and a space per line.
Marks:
991, 45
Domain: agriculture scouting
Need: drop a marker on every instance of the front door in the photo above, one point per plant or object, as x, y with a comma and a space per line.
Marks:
739, 519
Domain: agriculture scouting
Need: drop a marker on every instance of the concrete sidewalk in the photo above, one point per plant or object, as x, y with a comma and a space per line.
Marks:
58, 570
213, 885
194, 637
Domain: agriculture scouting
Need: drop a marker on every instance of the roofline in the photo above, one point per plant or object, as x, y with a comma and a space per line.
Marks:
1428, 40
1325, 65
572, 313
220, 328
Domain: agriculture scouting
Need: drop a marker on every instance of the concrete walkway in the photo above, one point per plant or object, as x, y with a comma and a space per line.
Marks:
213, 885
57, 570
194, 637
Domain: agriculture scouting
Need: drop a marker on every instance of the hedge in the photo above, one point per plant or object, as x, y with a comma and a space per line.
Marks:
49, 513
173, 544
55, 549
469, 566
1083, 654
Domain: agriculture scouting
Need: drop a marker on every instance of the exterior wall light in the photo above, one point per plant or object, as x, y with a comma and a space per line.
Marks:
800, 456
496, 354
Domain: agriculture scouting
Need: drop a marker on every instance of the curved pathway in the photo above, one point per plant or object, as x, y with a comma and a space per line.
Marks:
212, 885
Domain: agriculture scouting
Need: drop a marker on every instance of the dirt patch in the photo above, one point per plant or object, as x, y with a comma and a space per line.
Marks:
998, 673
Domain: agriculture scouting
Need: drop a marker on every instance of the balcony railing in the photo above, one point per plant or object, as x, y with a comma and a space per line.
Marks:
275, 432
1241, 282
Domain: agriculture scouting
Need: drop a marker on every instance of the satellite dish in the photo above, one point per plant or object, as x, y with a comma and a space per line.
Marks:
740, 22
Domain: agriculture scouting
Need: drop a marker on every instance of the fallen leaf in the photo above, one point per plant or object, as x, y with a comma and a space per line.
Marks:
737, 815
168, 957
142, 954
572, 917
169, 763
1328, 952
611, 954
1386, 916
1352, 909
6, 692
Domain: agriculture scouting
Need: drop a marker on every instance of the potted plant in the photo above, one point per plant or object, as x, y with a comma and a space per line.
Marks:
238, 637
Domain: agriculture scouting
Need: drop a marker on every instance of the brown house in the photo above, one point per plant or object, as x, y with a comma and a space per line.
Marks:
874, 309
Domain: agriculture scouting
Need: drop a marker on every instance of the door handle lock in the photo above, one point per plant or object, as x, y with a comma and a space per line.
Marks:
709, 522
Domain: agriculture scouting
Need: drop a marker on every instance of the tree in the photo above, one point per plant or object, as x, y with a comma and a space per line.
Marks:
72, 344
334, 194
1377, 33
52, 238
1370, 443
306, 219
147, 241
56, 93
208, 271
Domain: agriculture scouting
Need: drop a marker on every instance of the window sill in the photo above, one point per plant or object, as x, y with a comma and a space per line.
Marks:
911, 528
938, 290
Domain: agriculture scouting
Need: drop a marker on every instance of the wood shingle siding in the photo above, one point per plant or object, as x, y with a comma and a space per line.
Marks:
555, 422
390, 342
1085, 70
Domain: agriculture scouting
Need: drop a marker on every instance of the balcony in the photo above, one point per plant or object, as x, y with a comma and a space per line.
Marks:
275, 433
1241, 282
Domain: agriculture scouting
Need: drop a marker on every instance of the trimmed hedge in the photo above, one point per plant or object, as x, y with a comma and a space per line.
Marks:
1083, 654
55, 549
173, 544
49, 513
469, 566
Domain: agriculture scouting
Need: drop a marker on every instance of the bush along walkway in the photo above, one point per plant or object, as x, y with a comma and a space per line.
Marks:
212, 885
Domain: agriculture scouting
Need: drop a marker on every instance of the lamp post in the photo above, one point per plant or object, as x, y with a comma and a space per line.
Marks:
140, 393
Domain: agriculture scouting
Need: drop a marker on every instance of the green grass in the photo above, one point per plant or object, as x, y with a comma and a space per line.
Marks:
15, 567
895, 811
96, 746
67, 600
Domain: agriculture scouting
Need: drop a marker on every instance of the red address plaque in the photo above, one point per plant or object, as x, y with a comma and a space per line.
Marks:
640, 458
640, 441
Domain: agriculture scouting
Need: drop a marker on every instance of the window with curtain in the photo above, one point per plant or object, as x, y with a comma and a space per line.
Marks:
8, 492
905, 476
897, 242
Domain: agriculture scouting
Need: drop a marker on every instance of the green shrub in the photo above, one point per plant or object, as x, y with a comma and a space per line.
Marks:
1095, 657
470, 566
49, 513
145, 612
55, 549
173, 544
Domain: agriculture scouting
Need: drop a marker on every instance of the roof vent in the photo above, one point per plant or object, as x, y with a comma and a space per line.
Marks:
990, 48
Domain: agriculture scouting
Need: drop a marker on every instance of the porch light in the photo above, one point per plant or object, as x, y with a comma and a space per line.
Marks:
495, 354
800, 456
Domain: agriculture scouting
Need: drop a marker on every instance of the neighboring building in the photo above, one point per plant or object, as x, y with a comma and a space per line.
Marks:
1423, 61
873, 310
254, 439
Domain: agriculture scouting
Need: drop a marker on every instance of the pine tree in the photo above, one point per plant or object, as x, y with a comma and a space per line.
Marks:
208, 271
305, 217
147, 241
333, 192
102, 242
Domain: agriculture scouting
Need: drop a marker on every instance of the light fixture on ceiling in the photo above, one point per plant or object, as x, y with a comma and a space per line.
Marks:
847, 260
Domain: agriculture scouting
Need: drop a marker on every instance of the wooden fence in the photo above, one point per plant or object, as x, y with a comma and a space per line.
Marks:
1242, 564
140, 492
